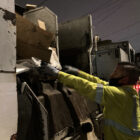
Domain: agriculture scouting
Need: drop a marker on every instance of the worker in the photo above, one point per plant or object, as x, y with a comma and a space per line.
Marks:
119, 98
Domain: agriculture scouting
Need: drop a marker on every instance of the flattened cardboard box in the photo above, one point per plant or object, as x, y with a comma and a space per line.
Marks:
32, 41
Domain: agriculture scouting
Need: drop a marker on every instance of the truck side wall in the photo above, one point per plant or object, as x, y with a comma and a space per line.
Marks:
76, 42
8, 93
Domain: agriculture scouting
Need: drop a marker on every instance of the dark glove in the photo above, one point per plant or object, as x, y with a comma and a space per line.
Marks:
71, 70
49, 70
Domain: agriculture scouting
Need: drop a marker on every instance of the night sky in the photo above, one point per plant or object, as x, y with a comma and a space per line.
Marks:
117, 20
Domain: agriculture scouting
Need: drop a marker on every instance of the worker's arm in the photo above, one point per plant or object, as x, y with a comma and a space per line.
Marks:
104, 95
91, 78
77, 72
98, 93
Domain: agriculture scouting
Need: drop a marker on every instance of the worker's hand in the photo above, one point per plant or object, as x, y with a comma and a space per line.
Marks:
71, 70
49, 70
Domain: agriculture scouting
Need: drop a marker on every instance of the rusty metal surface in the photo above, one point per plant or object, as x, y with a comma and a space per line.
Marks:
8, 5
8, 41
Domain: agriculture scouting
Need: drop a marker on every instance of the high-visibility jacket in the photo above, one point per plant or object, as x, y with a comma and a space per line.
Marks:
121, 104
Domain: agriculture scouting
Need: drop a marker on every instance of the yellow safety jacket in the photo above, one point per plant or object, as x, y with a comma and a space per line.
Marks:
121, 104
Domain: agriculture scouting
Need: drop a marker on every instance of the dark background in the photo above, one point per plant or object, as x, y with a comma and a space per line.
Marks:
118, 20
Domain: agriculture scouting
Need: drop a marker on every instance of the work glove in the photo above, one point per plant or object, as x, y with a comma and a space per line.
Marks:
71, 70
49, 70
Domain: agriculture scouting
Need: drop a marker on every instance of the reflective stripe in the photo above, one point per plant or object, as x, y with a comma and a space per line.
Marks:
99, 93
121, 128
134, 115
134, 119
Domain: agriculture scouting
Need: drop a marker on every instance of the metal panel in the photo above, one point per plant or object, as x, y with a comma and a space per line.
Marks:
106, 61
46, 15
8, 41
76, 33
76, 42
8, 105
125, 45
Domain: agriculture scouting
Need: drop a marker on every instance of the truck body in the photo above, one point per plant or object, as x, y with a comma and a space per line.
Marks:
67, 110
108, 54
124, 45
106, 60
